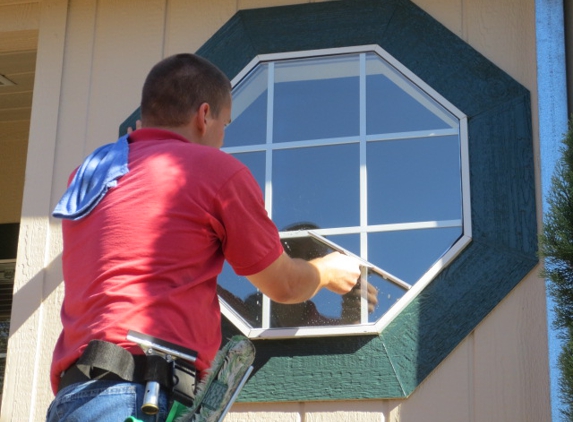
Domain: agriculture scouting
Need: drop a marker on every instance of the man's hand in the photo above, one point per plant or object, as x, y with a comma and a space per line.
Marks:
294, 280
339, 273
351, 309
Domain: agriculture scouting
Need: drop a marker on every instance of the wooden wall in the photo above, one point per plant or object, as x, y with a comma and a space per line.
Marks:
92, 58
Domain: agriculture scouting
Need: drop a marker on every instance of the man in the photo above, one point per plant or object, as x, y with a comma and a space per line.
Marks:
148, 222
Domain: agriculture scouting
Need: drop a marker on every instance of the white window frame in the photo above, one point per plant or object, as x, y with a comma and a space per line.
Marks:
449, 256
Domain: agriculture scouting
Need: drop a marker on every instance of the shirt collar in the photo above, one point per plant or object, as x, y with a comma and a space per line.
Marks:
155, 134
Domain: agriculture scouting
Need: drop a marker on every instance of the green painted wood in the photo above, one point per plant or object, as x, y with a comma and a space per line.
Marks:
289, 370
337, 24
503, 250
301, 363
502, 176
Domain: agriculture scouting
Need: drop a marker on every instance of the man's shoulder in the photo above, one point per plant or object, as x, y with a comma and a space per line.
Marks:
218, 156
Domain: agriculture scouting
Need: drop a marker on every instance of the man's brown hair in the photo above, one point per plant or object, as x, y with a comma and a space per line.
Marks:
176, 87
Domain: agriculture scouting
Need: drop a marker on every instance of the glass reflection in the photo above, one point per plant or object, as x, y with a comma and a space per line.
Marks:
326, 308
316, 99
408, 254
249, 112
319, 184
241, 296
387, 294
414, 180
375, 292
394, 104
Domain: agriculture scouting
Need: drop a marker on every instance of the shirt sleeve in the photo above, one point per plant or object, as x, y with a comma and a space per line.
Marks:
251, 241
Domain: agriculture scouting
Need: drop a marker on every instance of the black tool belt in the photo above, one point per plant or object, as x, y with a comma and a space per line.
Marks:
107, 361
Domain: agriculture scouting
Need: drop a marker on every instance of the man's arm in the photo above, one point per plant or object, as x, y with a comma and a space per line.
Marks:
293, 280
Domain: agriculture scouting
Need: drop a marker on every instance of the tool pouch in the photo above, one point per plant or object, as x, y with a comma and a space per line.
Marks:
176, 376
184, 375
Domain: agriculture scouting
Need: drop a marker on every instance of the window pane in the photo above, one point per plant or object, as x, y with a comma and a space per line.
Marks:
7, 271
350, 242
241, 295
393, 104
316, 99
326, 307
320, 185
414, 180
408, 254
249, 112
4, 332
386, 295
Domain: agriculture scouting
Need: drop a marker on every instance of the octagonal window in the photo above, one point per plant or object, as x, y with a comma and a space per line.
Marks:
353, 153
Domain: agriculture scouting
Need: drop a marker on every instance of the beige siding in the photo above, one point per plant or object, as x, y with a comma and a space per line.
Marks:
92, 59
33, 326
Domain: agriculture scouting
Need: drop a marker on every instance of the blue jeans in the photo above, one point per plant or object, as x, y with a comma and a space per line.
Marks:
112, 401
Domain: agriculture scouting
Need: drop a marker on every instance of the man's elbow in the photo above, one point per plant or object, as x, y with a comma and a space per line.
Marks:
286, 281
286, 297
282, 290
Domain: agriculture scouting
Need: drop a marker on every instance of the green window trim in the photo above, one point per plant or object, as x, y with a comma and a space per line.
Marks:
503, 209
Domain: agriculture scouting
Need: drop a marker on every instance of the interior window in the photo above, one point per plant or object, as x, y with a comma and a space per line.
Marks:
6, 287
355, 154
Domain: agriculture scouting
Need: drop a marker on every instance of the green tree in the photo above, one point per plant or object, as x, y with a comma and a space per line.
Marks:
556, 246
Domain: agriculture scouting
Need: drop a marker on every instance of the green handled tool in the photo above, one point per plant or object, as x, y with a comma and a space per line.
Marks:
219, 388
217, 392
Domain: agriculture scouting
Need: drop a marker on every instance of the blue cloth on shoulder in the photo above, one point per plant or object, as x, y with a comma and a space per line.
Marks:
95, 176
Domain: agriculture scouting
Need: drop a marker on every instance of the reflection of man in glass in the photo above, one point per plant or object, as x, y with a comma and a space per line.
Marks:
306, 313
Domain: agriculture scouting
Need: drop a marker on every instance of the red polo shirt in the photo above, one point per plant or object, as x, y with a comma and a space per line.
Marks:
147, 257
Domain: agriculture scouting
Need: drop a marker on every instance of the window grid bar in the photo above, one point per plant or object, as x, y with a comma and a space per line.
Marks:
377, 228
266, 309
363, 192
269, 139
398, 136
343, 140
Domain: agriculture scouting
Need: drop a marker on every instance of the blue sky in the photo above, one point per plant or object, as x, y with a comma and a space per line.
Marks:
551, 79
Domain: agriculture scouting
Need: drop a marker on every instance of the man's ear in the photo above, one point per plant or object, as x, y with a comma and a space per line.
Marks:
201, 118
